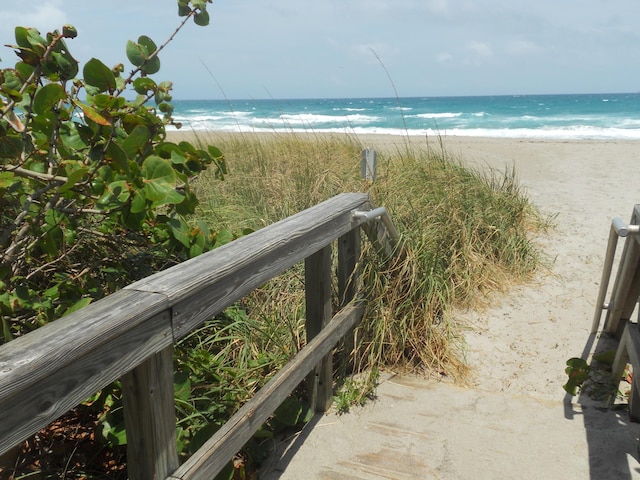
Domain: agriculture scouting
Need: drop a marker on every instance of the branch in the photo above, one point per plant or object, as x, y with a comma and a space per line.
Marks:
158, 50
46, 177
8, 110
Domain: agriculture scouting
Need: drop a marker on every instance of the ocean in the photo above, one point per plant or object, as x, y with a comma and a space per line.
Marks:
592, 116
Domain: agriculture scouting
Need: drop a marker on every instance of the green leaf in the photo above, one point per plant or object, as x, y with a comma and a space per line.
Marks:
6, 179
83, 302
12, 81
47, 97
139, 203
289, 412
182, 386
116, 434
73, 179
69, 31
159, 181
134, 220
202, 435
117, 192
67, 66
144, 85
151, 66
21, 34
38, 43
108, 102
179, 230
140, 55
10, 146
117, 157
223, 237
201, 18
136, 141
198, 245
136, 54
98, 75
6, 329
94, 115
177, 158
71, 137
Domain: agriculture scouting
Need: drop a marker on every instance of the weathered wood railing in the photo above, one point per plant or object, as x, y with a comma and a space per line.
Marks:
129, 335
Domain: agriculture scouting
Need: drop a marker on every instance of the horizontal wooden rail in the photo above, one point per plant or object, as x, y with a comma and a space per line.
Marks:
234, 434
129, 335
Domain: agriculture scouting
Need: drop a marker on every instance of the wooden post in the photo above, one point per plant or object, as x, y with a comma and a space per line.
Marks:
369, 164
150, 418
625, 289
348, 256
348, 277
318, 305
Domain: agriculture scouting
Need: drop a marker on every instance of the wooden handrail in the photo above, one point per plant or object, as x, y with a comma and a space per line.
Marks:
130, 334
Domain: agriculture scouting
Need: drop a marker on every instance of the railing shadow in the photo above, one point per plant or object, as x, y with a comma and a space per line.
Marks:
611, 437
285, 449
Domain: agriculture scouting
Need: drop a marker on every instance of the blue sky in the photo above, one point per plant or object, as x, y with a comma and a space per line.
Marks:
311, 49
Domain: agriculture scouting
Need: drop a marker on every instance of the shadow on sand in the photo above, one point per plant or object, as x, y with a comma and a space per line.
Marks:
611, 437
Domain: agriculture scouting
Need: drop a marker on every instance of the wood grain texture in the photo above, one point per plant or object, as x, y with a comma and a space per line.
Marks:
318, 310
37, 355
41, 401
199, 288
207, 462
49, 371
150, 418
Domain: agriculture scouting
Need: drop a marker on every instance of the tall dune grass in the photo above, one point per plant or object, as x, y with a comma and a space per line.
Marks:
467, 234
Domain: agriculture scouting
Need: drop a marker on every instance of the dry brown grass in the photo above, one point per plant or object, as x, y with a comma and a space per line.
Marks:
466, 234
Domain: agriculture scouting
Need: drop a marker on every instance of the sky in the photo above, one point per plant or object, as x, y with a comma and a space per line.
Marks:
359, 48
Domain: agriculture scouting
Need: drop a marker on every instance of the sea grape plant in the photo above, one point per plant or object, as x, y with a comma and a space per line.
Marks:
92, 193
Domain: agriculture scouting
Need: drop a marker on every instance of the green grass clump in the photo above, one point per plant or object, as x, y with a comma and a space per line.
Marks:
466, 234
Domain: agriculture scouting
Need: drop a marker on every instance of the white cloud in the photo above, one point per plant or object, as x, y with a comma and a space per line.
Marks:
522, 48
444, 57
480, 49
45, 16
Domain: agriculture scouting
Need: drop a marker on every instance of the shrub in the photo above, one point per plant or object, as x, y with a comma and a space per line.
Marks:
92, 195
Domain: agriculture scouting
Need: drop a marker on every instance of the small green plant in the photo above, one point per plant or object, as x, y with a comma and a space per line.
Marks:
356, 391
578, 371
595, 380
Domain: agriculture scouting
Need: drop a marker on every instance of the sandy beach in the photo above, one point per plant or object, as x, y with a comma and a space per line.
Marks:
521, 343
514, 410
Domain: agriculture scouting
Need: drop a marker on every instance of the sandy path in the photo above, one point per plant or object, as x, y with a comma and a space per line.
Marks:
520, 344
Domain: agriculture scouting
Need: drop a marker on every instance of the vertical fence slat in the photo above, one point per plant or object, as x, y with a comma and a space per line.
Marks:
625, 289
348, 278
318, 306
348, 255
150, 418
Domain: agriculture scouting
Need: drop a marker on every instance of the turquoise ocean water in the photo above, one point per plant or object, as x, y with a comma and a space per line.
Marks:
593, 116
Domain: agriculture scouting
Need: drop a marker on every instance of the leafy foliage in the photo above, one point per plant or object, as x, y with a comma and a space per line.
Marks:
92, 194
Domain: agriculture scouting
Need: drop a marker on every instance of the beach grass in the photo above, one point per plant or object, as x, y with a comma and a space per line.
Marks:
467, 235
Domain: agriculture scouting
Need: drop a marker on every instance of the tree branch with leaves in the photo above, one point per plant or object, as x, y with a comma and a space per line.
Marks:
92, 193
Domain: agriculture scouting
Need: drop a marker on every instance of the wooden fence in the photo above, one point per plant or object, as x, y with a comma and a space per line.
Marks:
130, 334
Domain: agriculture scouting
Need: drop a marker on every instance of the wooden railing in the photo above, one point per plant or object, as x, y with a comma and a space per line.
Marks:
130, 334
